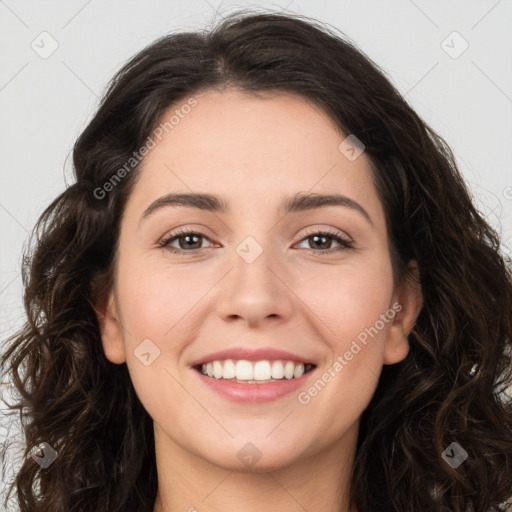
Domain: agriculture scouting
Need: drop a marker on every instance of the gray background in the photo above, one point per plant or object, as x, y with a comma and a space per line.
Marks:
46, 102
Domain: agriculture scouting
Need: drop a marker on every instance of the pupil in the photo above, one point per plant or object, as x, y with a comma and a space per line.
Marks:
316, 237
188, 237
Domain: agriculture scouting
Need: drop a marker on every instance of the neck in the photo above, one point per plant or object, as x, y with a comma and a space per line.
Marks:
320, 482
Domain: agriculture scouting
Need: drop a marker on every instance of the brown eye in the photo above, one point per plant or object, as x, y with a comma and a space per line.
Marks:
188, 241
323, 240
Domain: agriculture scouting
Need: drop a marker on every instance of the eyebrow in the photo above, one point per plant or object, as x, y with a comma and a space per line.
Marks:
296, 203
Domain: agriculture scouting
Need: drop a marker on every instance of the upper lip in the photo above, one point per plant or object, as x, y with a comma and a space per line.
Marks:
251, 354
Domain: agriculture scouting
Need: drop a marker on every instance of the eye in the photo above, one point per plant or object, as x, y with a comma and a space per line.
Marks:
320, 239
190, 241
189, 238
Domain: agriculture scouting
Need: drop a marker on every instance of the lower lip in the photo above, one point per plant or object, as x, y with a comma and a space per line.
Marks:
255, 393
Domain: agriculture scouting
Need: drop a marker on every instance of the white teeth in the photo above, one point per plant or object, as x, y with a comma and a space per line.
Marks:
299, 370
260, 372
217, 369
277, 370
244, 370
288, 370
229, 369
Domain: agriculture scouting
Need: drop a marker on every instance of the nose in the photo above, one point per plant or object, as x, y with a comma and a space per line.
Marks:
256, 291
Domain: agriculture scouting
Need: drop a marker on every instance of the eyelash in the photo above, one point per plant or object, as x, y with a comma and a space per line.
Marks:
346, 244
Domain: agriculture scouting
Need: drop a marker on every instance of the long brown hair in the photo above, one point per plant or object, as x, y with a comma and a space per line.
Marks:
448, 389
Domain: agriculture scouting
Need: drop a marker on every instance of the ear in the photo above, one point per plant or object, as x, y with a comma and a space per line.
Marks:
407, 303
111, 330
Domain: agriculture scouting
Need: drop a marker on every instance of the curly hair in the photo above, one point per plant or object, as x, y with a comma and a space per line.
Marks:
449, 388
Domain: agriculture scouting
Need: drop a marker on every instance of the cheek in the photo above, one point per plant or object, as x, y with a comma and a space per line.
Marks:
356, 308
350, 298
158, 315
157, 302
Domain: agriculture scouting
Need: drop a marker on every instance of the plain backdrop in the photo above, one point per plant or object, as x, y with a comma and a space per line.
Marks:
451, 60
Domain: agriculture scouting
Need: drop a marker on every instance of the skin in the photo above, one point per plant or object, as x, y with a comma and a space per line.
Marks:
254, 152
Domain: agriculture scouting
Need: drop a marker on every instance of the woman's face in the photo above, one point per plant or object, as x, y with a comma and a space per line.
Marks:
255, 276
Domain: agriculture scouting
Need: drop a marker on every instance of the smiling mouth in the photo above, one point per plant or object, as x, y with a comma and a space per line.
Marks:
254, 372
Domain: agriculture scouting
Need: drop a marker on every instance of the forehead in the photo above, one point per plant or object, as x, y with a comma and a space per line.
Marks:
246, 148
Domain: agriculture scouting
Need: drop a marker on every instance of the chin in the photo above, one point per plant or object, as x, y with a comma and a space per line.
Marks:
244, 456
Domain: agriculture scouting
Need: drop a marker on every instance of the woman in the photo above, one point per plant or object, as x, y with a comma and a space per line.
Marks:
188, 344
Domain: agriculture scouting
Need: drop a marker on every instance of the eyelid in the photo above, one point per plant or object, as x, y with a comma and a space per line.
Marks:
328, 231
